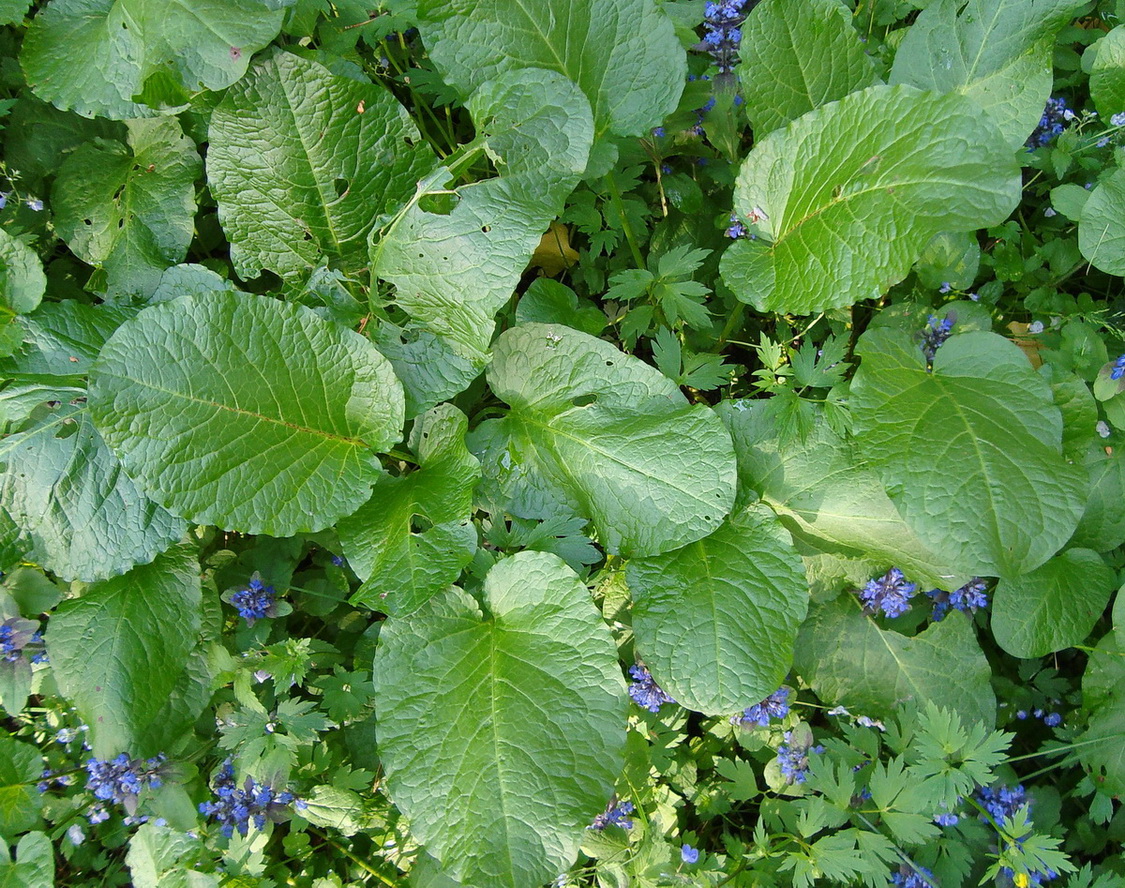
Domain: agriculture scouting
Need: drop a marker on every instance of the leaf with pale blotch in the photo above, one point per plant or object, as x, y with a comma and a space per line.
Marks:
624, 55
805, 55
971, 454
1052, 607
118, 651
302, 161
454, 265
824, 492
1107, 75
85, 518
130, 210
610, 436
996, 52
848, 660
94, 56
245, 412
847, 196
1101, 225
402, 567
515, 708
716, 620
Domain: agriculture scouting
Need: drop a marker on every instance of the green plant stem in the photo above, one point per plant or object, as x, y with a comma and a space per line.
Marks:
734, 319
615, 195
362, 864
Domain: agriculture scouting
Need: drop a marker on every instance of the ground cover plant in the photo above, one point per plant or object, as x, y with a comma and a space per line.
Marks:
504, 443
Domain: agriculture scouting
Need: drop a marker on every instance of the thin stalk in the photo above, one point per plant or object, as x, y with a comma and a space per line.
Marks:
615, 194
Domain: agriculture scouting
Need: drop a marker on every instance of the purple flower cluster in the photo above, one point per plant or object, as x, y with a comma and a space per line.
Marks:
1003, 802
1050, 719
722, 19
19, 638
968, 598
121, 780
776, 705
236, 807
793, 759
645, 692
615, 814
1118, 369
1054, 119
935, 334
908, 876
890, 593
255, 600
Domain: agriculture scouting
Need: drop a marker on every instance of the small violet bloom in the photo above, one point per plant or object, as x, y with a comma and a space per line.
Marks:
1103, 429
689, 854
1118, 119
255, 600
908, 876
237, 806
1051, 123
722, 19
793, 759
122, 779
645, 692
34, 203
890, 593
1118, 368
776, 705
615, 814
968, 598
935, 334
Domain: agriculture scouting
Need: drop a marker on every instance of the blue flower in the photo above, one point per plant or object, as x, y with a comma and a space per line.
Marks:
722, 18
1052, 719
689, 854
890, 593
737, 229
34, 203
968, 598
237, 806
16, 634
122, 779
255, 600
935, 334
615, 814
913, 876
645, 692
946, 818
776, 705
1051, 123
1118, 368
793, 759
1003, 802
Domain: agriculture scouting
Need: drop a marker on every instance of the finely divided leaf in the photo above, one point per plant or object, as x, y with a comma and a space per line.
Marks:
716, 620
402, 566
801, 56
612, 438
970, 453
1101, 225
245, 412
118, 651
1052, 607
302, 161
86, 519
130, 210
94, 56
996, 52
849, 660
516, 713
848, 195
825, 492
456, 265
623, 55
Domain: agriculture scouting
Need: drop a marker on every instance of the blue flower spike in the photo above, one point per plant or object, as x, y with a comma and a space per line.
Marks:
256, 601
236, 806
889, 593
645, 692
615, 814
776, 705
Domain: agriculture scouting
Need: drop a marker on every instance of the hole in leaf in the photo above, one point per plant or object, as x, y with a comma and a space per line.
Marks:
68, 428
486, 228
341, 187
418, 524
609, 363
88, 221
439, 204
584, 400
121, 223
235, 53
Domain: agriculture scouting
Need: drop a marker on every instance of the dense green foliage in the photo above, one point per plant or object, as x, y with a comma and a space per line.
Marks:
508, 442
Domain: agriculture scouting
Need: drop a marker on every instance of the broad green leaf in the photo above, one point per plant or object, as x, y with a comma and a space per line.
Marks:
94, 56
429, 370
22, 285
402, 568
245, 412
1052, 607
1100, 749
13, 11
339, 809
849, 194
1102, 527
996, 52
302, 161
502, 731
38, 136
624, 55
804, 56
130, 210
162, 857
455, 265
62, 340
118, 651
613, 438
970, 453
86, 519
34, 866
850, 661
1107, 75
1101, 226
188, 279
21, 767
824, 492
716, 620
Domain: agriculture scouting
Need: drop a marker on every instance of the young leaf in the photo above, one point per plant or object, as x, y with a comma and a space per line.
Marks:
130, 210
246, 412
94, 56
517, 712
1101, 229
1107, 75
849, 660
613, 438
302, 161
996, 52
118, 651
716, 620
804, 56
828, 187
401, 568
983, 420
454, 270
